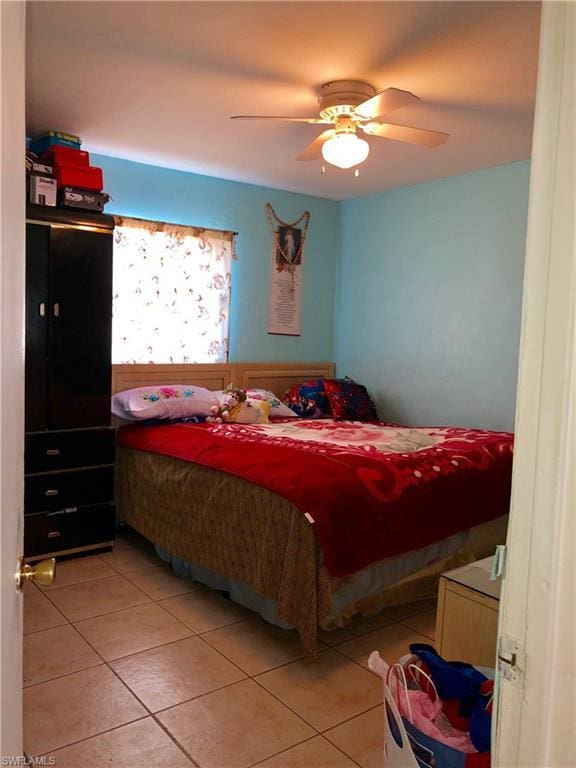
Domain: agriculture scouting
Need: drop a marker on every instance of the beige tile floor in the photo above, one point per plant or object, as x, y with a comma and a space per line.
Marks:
126, 664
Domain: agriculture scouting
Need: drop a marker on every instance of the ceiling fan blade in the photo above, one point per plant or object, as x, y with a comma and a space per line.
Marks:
384, 102
314, 150
421, 136
311, 120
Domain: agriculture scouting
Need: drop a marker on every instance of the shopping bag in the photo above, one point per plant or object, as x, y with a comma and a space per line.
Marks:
465, 690
406, 746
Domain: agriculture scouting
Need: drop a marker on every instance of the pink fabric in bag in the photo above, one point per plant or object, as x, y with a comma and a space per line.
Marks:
426, 715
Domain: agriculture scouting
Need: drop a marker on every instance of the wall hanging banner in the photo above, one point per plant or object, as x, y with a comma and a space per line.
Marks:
285, 294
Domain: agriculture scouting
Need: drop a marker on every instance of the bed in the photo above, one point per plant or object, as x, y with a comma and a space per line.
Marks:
309, 522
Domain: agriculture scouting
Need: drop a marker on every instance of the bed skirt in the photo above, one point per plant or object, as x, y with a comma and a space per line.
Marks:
251, 542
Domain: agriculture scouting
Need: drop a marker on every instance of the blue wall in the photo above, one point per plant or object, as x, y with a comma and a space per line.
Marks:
150, 192
415, 291
429, 297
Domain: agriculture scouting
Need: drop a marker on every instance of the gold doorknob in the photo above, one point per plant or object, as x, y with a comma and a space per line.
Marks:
42, 573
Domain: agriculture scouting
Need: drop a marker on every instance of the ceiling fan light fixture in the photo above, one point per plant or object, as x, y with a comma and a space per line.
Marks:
345, 150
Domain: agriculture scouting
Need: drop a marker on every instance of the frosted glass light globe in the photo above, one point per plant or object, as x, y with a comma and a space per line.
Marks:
345, 150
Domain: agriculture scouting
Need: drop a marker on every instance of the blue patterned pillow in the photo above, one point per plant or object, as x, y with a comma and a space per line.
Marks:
308, 400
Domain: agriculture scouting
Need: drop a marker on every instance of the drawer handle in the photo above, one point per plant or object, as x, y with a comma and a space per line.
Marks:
65, 511
51, 492
53, 452
54, 535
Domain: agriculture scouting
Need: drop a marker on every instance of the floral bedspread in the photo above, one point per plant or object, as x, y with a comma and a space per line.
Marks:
370, 490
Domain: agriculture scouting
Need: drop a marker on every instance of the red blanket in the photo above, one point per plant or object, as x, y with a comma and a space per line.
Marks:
370, 491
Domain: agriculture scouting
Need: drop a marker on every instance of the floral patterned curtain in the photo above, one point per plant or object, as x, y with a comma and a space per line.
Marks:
171, 293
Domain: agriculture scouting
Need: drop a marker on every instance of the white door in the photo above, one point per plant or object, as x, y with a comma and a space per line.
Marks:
12, 233
537, 709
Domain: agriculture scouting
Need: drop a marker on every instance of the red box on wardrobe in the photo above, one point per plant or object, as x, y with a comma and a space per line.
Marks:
67, 156
82, 177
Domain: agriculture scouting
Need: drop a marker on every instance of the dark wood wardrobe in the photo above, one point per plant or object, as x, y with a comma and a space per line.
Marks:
69, 456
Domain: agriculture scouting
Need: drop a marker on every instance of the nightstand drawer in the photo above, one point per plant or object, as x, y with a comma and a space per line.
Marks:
467, 624
55, 532
64, 490
51, 451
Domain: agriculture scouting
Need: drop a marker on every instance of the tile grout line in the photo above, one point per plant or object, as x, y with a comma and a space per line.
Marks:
361, 634
47, 592
56, 626
318, 732
418, 632
284, 704
282, 751
391, 622
97, 615
93, 736
175, 741
316, 736
366, 669
59, 677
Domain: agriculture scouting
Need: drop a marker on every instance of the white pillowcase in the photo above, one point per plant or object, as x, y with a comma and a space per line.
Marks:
174, 401
277, 407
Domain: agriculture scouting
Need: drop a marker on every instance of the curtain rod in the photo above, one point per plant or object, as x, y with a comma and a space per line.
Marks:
151, 222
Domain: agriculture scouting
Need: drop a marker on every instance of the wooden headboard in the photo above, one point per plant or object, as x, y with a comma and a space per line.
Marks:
276, 377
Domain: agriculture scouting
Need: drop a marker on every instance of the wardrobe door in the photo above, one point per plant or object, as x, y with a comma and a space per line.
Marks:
80, 328
37, 250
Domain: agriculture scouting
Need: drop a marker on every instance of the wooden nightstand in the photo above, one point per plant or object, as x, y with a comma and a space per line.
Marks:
467, 618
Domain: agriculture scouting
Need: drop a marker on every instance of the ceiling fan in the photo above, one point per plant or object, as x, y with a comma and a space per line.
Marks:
351, 106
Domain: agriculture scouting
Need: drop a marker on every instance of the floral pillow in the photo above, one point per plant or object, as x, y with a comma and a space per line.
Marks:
308, 400
349, 401
176, 401
277, 408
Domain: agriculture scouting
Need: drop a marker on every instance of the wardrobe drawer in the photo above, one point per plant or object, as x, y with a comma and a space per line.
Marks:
57, 531
48, 451
63, 490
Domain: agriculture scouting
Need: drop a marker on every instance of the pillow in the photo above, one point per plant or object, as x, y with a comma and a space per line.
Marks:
308, 400
250, 412
349, 401
163, 402
277, 408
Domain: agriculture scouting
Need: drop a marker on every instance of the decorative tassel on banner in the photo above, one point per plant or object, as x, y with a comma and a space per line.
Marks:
289, 240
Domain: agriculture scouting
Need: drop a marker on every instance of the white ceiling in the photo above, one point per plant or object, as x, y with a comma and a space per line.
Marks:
156, 82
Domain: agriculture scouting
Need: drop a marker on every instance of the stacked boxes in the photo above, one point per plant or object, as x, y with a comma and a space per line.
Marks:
42, 190
41, 187
41, 143
79, 184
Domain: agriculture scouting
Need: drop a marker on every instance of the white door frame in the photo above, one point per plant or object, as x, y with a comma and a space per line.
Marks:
12, 268
537, 718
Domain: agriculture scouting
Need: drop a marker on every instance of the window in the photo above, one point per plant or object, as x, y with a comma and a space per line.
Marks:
171, 293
